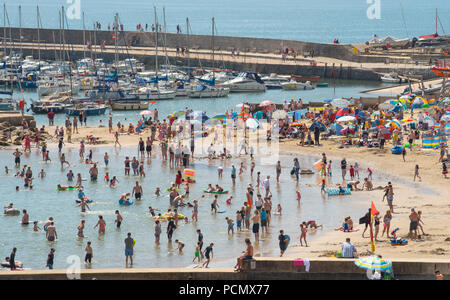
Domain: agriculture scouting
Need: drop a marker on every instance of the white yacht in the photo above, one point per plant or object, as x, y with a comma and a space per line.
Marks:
246, 82
149, 93
219, 77
204, 91
391, 78
295, 85
274, 81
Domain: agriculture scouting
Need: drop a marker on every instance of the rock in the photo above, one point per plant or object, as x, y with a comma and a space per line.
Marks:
447, 239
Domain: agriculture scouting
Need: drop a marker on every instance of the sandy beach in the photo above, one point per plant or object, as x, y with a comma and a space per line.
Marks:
430, 196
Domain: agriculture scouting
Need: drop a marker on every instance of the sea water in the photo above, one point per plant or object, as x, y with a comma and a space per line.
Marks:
350, 21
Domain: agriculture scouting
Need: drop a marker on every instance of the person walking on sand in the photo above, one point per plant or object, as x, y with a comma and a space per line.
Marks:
416, 173
386, 223
116, 137
414, 222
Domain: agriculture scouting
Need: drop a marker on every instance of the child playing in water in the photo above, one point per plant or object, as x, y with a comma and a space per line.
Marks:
180, 246
197, 253
157, 192
279, 210
35, 226
228, 201
239, 220
299, 196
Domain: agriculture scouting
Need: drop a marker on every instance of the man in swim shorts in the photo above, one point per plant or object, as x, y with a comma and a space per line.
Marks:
137, 191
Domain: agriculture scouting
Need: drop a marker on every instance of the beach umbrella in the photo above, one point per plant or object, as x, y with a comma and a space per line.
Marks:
429, 120
219, 117
252, 123
240, 105
385, 106
392, 101
279, 114
445, 118
146, 113
373, 263
339, 102
394, 123
346, 119
445, 101
343, 111
195, 122
266, 103
178, 113
375, 113
362, 115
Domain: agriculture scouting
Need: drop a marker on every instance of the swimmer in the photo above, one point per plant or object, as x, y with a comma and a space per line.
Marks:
6, 170
279, 209
186, 220
35, 226
113, 181
312, 224
230, 225
158, 192
119, 219
151, 210
180, 246
228, 201
125, 198
83, 205
210, 188
41, 174
80, 229
219, 189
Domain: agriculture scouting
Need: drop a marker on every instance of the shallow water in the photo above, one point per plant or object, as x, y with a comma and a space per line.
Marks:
214, 106
44, 201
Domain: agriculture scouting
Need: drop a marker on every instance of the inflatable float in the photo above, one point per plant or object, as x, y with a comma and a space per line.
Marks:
67, 188
397, 150
217, 193
168, 190
85, 199
335, 192
12, 212
126, 203
306, 172
189, 176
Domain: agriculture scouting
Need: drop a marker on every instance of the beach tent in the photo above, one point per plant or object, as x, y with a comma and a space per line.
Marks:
429, 120
336, 128
321, 126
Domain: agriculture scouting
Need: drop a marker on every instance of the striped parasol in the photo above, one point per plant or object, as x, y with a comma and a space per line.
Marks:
373, 263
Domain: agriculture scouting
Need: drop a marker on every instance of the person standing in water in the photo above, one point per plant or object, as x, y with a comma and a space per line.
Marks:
129, 245
118, 220
101, 225
209, 255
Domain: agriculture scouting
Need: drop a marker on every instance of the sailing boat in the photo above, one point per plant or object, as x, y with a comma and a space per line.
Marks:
207, 87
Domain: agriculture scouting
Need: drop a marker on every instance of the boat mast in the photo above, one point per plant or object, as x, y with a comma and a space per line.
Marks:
436, 21
116, 30
84, 37
4, 28
38, 33
156, 47
212, 43
20, 28
165, 38
187, 45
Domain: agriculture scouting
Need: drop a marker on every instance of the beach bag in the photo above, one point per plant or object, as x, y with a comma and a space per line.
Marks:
293, 171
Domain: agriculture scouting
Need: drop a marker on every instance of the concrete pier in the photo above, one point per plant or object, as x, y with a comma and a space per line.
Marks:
256, 54
259, 269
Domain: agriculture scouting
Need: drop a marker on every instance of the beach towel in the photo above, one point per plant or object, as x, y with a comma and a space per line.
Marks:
302, 262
